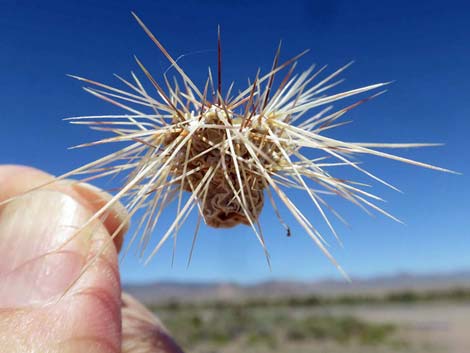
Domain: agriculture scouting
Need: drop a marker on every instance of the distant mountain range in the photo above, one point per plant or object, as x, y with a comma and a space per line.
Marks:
186, 291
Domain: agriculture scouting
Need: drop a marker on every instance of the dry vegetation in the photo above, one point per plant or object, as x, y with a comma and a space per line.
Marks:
406, 321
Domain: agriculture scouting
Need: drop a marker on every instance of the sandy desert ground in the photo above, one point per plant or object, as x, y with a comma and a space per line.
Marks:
426, 327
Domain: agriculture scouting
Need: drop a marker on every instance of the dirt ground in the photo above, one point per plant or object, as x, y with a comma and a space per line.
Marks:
427, 327
422, 328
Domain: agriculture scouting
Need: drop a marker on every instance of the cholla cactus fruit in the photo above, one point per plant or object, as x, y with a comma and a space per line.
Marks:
208, 147
226, 155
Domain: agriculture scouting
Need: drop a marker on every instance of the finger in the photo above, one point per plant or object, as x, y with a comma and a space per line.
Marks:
142, 332
17, 180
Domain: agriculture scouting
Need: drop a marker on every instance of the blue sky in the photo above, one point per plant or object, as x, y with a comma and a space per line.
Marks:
423, 47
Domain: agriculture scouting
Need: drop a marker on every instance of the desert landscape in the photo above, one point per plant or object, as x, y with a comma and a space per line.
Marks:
400, 313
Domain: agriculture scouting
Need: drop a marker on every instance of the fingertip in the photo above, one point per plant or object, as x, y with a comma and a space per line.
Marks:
16, 180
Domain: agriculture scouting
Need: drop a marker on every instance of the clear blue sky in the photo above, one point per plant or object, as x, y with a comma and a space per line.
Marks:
423, 46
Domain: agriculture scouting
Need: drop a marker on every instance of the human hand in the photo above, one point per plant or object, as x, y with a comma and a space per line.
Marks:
93, 316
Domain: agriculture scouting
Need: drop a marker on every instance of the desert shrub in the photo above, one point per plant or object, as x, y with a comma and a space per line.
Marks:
338, 329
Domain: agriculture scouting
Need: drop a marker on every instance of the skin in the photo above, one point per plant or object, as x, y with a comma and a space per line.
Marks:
43, 308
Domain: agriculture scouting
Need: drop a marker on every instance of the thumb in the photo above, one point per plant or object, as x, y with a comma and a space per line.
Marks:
36, 269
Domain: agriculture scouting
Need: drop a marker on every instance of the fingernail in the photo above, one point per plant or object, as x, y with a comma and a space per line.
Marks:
35, 265
117, 220
118, 208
